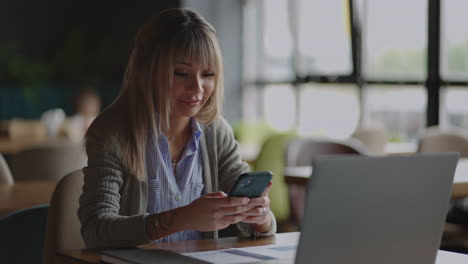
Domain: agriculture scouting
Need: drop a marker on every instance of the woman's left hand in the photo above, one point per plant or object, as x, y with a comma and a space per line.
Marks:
259, 215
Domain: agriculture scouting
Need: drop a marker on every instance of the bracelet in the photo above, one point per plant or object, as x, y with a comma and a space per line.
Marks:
256, 233
156, 222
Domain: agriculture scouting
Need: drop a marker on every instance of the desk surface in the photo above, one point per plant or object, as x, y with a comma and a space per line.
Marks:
90, 256
25, 194
300, 175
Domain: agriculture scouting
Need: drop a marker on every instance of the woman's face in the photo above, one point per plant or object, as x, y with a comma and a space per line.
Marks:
192, 87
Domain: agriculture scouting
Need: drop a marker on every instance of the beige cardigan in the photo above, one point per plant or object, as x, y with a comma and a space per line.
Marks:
113, 204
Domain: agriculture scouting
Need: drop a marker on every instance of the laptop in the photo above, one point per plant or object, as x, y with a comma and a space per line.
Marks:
376, 209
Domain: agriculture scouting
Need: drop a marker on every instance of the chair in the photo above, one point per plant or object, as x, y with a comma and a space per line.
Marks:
5, 173
437, 140
48, 161
374, 139
22, 235
301, 152
63, 226
271, 158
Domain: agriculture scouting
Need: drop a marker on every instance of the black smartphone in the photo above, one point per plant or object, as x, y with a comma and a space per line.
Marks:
251, 184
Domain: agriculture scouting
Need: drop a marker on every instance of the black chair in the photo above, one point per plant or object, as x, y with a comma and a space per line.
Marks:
22, 235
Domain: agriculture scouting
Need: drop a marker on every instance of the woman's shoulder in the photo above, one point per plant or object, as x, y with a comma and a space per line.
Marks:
218, 126
108, 123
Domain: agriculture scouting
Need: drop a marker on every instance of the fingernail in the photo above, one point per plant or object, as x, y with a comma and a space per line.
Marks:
246, 200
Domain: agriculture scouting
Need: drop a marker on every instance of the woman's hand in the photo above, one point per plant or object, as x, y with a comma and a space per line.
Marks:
259, 215
215, 211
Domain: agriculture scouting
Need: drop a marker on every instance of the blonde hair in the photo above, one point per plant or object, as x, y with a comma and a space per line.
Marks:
172, 35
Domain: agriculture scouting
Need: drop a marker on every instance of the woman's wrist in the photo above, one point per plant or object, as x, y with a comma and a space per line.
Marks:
263, 227
164, 224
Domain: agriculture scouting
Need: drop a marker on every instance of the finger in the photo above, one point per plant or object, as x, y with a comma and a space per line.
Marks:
265, 192
261, 201
242, 209
233, 201
216, 195
233, 219
256, 211
255, 219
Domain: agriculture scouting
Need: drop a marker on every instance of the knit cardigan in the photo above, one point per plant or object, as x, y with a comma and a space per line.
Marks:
112, 208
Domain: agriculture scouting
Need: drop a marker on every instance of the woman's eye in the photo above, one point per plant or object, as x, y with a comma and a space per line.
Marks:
210, 74
177, 73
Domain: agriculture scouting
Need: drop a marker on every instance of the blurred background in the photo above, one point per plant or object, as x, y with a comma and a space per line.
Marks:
321, 68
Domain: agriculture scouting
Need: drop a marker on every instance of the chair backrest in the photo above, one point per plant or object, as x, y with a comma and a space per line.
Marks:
5, 173
301, 151
63, 226
271, 158
443, 141
48, 161
22, 235
374, 139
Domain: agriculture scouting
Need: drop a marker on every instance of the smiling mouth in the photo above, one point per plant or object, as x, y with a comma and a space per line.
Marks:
191, 102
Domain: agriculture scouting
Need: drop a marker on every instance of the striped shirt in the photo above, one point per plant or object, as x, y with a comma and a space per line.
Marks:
168, 190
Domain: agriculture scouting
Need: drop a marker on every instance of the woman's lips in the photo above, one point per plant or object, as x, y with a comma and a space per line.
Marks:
191, 102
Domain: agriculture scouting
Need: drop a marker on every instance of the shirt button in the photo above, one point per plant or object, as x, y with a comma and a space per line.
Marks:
177, 197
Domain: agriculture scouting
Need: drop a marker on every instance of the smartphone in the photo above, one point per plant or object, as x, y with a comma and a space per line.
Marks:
251, 184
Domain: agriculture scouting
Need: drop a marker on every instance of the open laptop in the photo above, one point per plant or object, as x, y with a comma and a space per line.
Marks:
372, 210
376, 209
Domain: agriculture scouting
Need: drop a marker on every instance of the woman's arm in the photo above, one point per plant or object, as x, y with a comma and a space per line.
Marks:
101, 223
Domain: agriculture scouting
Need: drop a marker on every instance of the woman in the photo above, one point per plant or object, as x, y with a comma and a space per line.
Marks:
161, 158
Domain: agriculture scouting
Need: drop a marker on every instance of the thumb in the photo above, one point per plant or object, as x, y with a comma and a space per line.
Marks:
216, 195
265, 192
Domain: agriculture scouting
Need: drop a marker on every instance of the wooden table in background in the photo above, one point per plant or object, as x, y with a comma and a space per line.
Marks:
21, 195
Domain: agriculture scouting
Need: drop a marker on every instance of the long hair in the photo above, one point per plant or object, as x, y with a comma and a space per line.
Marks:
173, 34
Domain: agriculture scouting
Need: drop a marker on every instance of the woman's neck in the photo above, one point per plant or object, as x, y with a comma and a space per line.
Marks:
179, 129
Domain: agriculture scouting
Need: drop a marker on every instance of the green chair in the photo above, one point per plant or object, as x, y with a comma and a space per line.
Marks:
252, 132
272, 158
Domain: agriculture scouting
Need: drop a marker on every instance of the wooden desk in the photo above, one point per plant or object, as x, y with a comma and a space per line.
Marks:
25, 194
93, 256
301, 175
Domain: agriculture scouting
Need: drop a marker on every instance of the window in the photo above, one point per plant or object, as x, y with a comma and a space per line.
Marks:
277, 48
280, 106
395, 39
329, 110
399, 109
324, 37
454, 108
454, 42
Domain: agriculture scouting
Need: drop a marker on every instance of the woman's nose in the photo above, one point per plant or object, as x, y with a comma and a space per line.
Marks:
197, 83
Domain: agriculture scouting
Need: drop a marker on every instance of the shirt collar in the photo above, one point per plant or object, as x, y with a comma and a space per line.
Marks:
196, 130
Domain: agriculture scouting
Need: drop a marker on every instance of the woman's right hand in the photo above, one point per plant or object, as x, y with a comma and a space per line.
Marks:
214, 211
